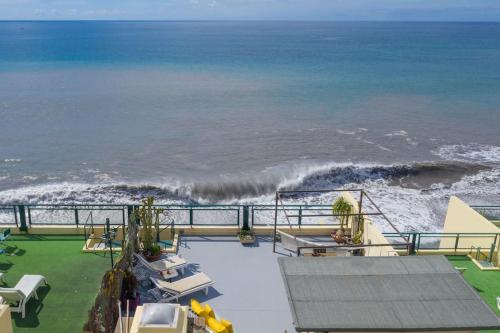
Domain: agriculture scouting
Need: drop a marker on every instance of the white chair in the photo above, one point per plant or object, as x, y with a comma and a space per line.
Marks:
22, 292
168, 291
498, 303
163, 264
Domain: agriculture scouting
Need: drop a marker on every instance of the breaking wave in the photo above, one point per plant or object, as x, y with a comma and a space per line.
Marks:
420, 176
413, 195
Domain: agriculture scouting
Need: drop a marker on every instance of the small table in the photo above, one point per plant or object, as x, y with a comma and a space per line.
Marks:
169, 274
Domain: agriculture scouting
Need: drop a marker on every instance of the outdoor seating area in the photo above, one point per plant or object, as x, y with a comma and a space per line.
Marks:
218, 271
249, 291
72, 277
165, 280
22, 292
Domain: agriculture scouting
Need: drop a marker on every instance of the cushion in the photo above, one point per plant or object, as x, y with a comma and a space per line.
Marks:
227, 324
216, 325
209, 311
198, 308
164, 314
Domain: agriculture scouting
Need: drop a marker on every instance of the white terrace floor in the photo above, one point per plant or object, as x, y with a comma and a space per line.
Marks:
249, 290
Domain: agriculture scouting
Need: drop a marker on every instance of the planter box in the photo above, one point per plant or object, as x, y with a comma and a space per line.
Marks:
152, 258
250, 239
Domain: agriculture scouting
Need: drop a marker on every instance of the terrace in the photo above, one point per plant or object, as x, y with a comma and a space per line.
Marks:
248, 282
249, 290
74, 279
486, 283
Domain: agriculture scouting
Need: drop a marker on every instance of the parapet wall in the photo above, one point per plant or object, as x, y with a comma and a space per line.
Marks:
460, 218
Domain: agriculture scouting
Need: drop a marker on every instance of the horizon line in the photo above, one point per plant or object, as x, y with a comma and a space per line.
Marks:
249, 20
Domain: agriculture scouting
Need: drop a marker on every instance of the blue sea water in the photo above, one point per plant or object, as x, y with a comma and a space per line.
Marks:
222, 111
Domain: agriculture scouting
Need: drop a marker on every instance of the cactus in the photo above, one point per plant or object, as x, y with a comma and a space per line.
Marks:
150, 221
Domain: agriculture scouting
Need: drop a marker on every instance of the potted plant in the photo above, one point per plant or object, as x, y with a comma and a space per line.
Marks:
149, 218
246, 236
344, 208
358, 236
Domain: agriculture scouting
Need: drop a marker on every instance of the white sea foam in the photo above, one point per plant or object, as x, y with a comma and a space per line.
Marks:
383, 148
346, 132
409, 208
411, 142
469, 152
397, 133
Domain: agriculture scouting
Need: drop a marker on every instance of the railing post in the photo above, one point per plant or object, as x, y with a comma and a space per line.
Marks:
15, 215
245, 218
275, 220
457, 239
253, 216
22, 218
300, 216
130, 209
29, 216
77, 219
413, 242
492, 250
123, 228
191, 216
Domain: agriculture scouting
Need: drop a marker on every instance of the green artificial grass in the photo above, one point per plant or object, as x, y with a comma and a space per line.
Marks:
74, 279
486, 283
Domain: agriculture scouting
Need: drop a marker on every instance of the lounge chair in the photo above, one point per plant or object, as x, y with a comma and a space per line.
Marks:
4, 235
168, 291
215, 323
170, 262
22, 292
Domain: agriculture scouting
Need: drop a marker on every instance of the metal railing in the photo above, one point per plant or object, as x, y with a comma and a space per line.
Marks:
491, 213
301, 214
25, 216
432, 240
346, 247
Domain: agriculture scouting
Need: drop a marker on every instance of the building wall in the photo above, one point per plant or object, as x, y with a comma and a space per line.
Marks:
460, 218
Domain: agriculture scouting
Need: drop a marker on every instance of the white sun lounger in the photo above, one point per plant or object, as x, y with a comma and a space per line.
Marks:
181, 288
170, 262
22, 292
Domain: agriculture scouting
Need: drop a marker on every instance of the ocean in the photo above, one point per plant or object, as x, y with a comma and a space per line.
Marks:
228, 112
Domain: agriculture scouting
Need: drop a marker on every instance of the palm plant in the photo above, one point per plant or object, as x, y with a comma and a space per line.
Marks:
343, 208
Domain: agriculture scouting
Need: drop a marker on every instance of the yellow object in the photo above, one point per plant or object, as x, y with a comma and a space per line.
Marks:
198, 309
209, 311
227, 324
216, 325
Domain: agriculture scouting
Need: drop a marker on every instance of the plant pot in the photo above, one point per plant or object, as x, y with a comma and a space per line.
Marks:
152, 257
247, 239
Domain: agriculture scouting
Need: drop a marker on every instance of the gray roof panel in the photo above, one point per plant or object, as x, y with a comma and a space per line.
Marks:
382, 294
